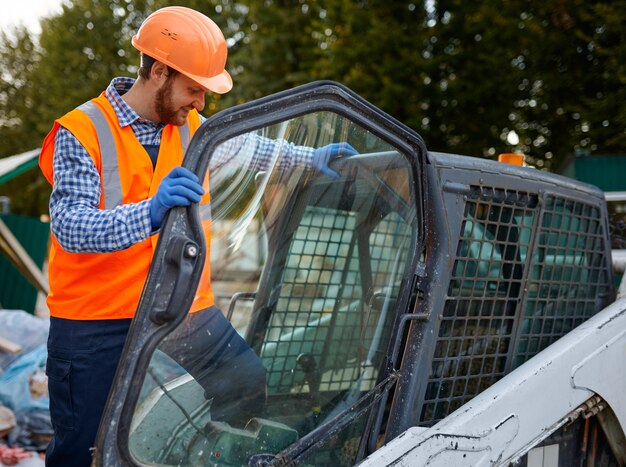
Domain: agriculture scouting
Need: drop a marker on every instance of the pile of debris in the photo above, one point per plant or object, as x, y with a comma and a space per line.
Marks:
25, 427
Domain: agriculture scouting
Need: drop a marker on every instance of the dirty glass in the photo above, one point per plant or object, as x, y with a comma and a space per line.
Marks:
310, 247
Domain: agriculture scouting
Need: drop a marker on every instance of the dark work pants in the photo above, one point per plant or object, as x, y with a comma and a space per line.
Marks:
82, 360
83, 357
220, 360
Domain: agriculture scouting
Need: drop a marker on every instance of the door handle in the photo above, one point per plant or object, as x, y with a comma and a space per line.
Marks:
180, 259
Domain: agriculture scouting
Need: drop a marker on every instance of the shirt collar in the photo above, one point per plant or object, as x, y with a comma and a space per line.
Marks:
125, 113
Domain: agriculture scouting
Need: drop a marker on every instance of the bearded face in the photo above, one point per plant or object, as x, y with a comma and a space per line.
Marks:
164, 104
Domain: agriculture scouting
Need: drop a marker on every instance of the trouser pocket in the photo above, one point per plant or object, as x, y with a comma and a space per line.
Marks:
61, 407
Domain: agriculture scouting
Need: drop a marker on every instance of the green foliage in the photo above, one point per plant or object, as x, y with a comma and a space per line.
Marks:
468, 76
471, 77
279, 48
78, 52
18, 56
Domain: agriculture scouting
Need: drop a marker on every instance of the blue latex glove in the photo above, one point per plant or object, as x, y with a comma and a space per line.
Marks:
179, 188
324, 155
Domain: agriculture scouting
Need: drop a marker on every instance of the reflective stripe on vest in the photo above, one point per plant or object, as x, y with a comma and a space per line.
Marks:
184, 136
111, 182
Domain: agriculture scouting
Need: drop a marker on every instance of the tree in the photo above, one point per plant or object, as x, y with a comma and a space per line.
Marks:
377, 49
278, 47
477, 78
77, 53
19, 56
575, 79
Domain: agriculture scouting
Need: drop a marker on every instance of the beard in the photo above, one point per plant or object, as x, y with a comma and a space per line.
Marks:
164, 107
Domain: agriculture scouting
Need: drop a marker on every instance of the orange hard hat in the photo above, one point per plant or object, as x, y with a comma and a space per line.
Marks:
189, 42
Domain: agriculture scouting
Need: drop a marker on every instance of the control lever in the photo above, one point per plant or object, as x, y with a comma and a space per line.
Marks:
307, 363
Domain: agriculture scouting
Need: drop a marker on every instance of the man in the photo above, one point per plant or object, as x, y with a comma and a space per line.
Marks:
114, 164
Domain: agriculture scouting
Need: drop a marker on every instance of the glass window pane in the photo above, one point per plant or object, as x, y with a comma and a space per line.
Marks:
309, 248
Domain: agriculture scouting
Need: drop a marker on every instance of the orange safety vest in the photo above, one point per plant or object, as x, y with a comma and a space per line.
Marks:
93, 286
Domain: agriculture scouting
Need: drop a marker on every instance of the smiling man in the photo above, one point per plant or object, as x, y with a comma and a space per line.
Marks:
114, 165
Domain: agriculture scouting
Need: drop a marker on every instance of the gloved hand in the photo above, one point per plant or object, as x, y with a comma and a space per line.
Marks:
322, 157
179, 188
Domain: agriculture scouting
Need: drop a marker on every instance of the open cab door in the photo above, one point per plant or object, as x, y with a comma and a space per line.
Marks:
270, 323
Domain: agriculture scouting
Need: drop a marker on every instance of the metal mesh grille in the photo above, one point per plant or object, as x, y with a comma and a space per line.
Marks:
567, 277
480, 321
321, 309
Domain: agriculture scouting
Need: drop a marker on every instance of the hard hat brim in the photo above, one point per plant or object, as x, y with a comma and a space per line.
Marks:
219, 84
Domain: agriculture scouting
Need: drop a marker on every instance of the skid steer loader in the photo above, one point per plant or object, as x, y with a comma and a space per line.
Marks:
409, 307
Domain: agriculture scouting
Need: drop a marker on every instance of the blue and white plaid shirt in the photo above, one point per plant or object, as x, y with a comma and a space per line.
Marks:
80, 225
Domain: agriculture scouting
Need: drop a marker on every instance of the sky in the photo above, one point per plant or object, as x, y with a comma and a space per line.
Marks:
26, 12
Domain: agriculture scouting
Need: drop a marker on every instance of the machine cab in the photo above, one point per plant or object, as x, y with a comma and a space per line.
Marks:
339, 284
268, 327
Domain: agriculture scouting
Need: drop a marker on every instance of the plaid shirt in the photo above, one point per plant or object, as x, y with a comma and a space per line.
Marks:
76, 219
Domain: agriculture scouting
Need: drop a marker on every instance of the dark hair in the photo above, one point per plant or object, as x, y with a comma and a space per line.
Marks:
146, 66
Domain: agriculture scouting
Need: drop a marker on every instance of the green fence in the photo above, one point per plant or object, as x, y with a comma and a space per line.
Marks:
606, 171
15, 291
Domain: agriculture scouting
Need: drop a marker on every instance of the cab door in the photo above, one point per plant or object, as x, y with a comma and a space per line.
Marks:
269, 326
